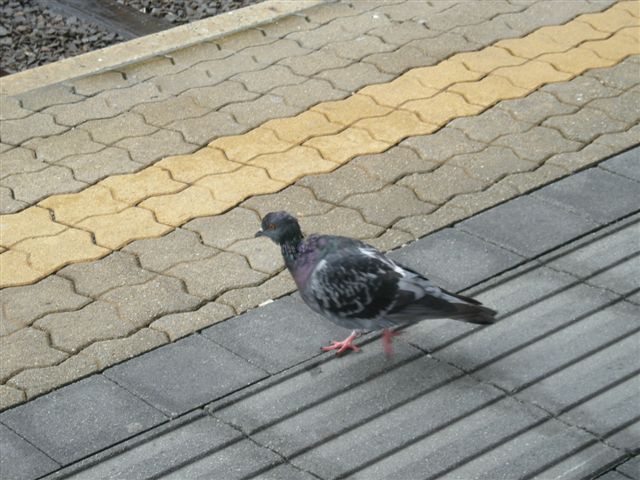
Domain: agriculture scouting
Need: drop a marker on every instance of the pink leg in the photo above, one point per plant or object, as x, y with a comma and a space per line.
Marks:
346, 344
387, 341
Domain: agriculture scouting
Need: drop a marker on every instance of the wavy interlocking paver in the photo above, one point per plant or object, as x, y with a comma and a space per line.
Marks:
165, 193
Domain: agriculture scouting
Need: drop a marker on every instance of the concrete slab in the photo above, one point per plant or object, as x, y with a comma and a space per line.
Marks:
20, 459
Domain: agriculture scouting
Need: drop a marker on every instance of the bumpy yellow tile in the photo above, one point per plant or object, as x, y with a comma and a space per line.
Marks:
48, 254
134, 187
293, 164
116, 230
617, 47
444, 74
396, 126
235, 186
572, 34
15, 270
74, 207
576, 60
177, 208
612, 19
240, 148
488, 91
189, 168
531, 46
347, 144
398, 91
532, 74
31, 222
633, 7
488, 59
301, 127
442, 108
345, 112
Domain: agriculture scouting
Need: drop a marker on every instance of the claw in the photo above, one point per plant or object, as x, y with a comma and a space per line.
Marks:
387, 341
343, 346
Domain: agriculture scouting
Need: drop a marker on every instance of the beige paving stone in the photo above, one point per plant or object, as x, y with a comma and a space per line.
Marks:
283, 48
200, 52
151, 148
343, 146
72, 208
340, 221
321, 36
48, 254
177, 208
531, 46
352, 109
527, 181
176, 83
16, 270
400, 60
420, 225
29, 223
491, 164
8, 204
139, 305
439, 186
362, 23
396, 126
262, 256
578, 61
11, 109
297, 200
202, 130
256, 112
259, 141
585, 125
92, 167
123, 99
233, 187
158, 254
26, 348
283, 26
354, 76
442, 145
309, 93
610, 20
42, 98
487, 59
110, 130
397, 92
488, 91
293, 164
220, 231
243, 39
220, 95
573, 33
16, 131
10, 396
388, 205
115, 230
40, 380
132, 188
401, 33
442, 108
154, 67
263, 81
95, 278
334, 187
531, 75
617, 47
56, 147
203, 280
72, 114
315, 62
388, 167
222, 69
178, 325
245, 298
189, 168
476, 202
32, 186
19, 160
535, 107
489, 125
109, 352
166, 111
537, 144
22, 305
301, 127
93, 84
629, 7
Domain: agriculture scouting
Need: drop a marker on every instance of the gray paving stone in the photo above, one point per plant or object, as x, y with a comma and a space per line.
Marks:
537, 360
163, 143
20, 459
56, 147
103, 414
335, 186
580, 91
538, 144
393, 164
200, 131
220, 231
283, 48
93, 84
489, 125
110, 130
536, 107
16, 131
256, 112
33, 186
8, 204
19, 160
455, 259
585, 125
621, 278
590, 193
178, 377
400, 60
95, 166
296, 199
158, 450
620, 141
315, 62
221, 94
626, 163
625, 108
309, 93
443, 144
276, 336
262, 81
443, 45
537, 15
11, 108
527, 225
486, 33
613, 475
354, 76
285, 472
622, 76
631, 467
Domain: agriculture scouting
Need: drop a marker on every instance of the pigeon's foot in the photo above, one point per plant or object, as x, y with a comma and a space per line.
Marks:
387, 341
343, 346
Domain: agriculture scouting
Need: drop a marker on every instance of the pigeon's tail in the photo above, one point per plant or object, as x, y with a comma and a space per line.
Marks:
473, 314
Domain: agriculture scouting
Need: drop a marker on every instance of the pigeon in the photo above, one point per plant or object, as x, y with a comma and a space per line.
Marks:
356, 286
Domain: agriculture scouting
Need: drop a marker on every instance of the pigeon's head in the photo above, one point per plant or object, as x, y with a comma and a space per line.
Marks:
281, 227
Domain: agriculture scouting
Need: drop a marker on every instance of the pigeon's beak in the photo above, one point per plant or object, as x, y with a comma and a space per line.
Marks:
259, 233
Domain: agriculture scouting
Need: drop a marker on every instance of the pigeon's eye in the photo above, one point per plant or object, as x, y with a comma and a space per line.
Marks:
271, 226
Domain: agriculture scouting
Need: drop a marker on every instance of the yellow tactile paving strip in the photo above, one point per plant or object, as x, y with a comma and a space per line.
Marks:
88, 225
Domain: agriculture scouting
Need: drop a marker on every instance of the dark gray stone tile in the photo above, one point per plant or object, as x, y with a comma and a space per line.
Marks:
20, 460
285, 472
164, 448
81, 418
454, 259
626, 163
631, 468
598, 195
626, 438
278, 335
613, 475
527, 225
184, 375
553, 352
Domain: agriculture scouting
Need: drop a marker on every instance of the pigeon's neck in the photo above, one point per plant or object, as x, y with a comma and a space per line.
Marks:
291, 249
